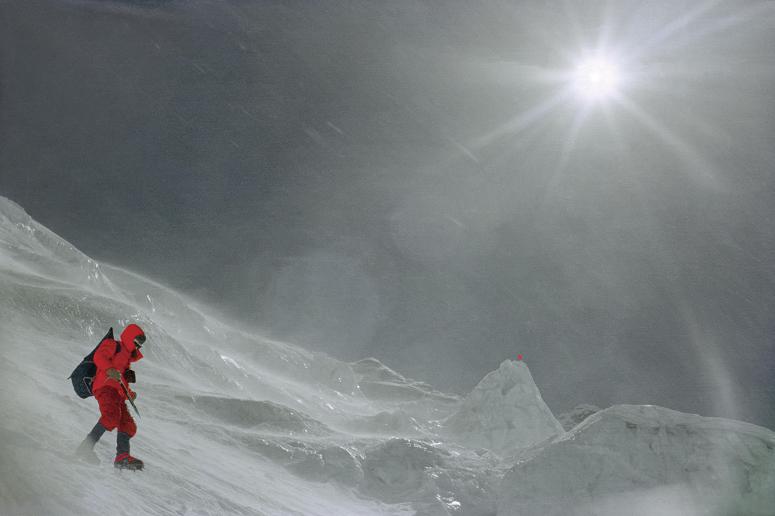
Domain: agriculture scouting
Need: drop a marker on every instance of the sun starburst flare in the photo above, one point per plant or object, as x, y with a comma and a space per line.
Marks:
608, 76
597, 78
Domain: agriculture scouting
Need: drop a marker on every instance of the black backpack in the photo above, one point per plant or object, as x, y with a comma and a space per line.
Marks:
83, 375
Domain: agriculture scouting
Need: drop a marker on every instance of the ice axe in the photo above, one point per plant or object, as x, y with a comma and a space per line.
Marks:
115, 375
129, 397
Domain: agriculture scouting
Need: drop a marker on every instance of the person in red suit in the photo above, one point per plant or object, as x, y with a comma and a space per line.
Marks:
111, 387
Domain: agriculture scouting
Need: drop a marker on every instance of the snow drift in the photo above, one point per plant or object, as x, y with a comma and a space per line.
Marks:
237, 423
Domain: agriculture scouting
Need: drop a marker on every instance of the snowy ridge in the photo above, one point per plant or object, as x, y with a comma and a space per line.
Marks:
33, 248
570, 419
237, 423
646, 460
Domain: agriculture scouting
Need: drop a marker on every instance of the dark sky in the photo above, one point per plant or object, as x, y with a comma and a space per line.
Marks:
360, 177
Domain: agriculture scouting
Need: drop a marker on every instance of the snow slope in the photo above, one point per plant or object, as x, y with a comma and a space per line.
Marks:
232, 423
236, 423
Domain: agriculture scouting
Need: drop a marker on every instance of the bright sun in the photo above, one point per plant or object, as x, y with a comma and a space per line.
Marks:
596, 78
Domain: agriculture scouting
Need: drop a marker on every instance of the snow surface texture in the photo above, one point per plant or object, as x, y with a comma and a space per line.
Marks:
235, 423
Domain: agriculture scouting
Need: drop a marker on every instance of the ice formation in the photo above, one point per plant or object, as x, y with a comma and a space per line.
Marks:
504, 412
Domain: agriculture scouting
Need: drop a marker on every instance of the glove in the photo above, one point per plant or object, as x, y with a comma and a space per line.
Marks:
113, 373
129, 376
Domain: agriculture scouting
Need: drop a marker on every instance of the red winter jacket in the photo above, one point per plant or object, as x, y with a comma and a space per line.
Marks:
106, 357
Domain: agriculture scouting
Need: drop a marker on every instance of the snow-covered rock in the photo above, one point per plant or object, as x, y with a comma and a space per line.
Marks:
396, 469
570, 419
331, 464
646, 461
504, 412
438, 481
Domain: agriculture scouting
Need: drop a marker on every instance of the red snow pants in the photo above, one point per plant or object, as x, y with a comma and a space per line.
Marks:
114, 413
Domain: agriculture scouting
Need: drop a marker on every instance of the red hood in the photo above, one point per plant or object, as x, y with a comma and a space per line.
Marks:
128, 336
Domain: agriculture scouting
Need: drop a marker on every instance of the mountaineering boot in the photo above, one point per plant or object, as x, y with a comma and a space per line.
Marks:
123, 459
85, 451
126, 461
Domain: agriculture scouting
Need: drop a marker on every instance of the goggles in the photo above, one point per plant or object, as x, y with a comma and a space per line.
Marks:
139, 341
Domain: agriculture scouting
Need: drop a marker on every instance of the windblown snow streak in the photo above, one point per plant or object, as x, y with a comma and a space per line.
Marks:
235, 423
